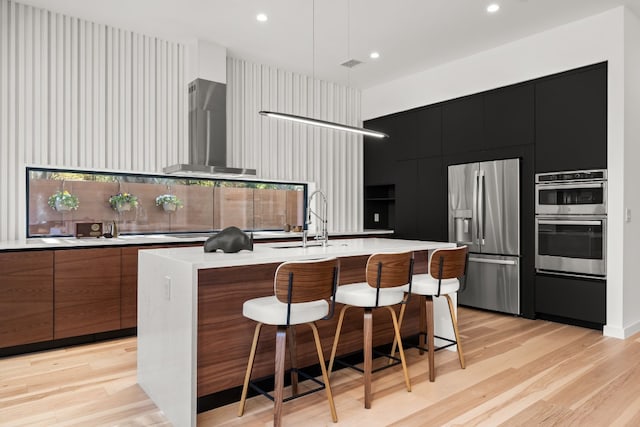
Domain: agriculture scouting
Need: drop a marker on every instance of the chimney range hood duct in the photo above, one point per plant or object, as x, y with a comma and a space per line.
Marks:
207, 132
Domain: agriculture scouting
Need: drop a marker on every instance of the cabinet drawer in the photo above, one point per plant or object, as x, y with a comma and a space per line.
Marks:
572, 298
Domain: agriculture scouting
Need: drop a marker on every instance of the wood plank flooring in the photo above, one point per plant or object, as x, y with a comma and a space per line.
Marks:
519, 373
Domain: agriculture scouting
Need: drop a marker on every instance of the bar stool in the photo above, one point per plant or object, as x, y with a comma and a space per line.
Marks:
303, 293
387, 274
447, 270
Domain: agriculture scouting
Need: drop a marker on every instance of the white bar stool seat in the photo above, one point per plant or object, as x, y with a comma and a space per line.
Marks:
271, 311
363, 295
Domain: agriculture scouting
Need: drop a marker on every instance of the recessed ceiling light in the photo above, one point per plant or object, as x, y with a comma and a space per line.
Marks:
493, 8
374, 55
261, 17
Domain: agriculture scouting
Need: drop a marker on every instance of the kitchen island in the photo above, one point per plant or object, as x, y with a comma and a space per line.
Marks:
192, 338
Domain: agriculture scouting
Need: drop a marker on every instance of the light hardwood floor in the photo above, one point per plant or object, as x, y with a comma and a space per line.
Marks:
519, 373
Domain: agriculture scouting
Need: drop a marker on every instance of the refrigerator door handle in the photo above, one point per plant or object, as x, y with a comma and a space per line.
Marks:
475, 238
481, 201
494, 261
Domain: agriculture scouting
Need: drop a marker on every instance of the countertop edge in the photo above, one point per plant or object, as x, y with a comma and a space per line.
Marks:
39, 243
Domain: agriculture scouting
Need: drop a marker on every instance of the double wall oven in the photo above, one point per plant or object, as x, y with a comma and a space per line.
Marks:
571, 223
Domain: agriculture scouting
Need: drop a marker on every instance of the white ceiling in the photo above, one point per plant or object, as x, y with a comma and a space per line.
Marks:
411, 35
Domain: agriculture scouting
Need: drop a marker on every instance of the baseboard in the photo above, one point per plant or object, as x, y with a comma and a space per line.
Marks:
621, 333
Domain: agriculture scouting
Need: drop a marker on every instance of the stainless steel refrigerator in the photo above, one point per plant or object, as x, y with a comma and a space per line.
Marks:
484, 213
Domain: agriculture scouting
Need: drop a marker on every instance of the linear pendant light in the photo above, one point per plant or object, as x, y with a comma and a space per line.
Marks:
318, 122
323, 123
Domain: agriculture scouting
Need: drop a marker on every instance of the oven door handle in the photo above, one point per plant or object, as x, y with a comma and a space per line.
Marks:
569, 222
571, 185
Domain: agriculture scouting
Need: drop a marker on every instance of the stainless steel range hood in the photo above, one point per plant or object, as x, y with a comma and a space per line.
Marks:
207, 132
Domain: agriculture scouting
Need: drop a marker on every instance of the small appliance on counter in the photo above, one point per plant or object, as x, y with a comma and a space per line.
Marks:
88, 229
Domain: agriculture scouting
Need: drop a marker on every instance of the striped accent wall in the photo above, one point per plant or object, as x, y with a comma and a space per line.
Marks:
79, 94
332, 159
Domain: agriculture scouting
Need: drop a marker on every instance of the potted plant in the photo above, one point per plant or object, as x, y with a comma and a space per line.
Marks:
63, 201
123, 202
169, 202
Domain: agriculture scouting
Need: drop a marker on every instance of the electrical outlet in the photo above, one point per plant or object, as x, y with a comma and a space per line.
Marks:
627, 215
376, 217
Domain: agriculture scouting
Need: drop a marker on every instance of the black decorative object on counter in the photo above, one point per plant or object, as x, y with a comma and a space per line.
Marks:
230, 240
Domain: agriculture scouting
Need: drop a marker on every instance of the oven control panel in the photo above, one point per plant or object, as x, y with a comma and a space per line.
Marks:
589, 175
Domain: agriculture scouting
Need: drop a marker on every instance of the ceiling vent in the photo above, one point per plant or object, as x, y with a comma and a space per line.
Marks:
351, 63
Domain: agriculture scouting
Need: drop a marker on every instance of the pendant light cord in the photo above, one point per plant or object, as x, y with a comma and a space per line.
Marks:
348, 42
318, 122
313, 60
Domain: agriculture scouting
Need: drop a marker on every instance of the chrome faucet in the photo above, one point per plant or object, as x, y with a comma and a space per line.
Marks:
322, 217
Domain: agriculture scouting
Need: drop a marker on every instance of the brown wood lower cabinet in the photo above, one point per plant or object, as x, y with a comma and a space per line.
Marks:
87, 291
224, 335
26, 297
129, 287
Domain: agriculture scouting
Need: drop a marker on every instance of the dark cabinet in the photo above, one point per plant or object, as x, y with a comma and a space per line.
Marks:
431, 200
577, 299
429, 133
379, 153
490, 120
463, 125
571, 120
417, 133
404, 135
406, 199
26, 298
509, 116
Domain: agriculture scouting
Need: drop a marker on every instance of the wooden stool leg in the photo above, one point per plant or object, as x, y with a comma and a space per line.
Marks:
247, 375
368, 355
422, 336
278, 392
293, 355
325, 376
395, 340
454, 320
430, 338
396, 329
336, 338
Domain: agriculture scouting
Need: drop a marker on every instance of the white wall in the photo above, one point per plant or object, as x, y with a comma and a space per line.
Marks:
84, 95
631, 230
591, 40
206, 60
289, 151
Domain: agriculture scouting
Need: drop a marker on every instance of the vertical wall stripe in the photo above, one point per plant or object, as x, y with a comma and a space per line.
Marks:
284, 150
80, 94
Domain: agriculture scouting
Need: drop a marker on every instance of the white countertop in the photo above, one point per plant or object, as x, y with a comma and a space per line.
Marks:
264, 253
149, 239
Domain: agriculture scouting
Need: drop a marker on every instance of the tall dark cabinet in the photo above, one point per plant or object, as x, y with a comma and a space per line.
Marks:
395, 188
553, 123
571, 120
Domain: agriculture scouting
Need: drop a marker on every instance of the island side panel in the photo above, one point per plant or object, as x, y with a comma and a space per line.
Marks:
167, 333
224, 335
